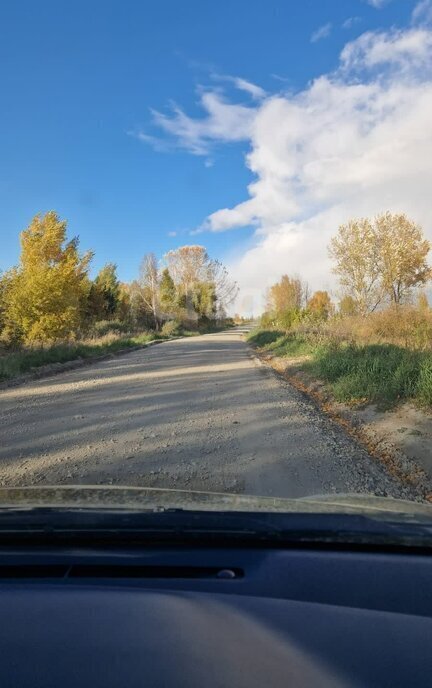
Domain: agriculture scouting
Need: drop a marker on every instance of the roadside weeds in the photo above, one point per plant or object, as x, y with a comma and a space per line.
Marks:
62, 367
399, 438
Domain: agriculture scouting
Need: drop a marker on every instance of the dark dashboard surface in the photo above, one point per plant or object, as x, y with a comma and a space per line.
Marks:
167, 617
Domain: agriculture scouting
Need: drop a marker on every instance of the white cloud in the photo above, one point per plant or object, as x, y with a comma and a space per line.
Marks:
223, 121
422, 12
352, 143
402, 49
256, 92
322, 32
172, 234
377, 3
350, 22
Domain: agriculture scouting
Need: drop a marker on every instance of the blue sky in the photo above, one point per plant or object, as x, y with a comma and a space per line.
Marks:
80, 82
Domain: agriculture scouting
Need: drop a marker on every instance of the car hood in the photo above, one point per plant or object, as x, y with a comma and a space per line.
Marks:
156, 499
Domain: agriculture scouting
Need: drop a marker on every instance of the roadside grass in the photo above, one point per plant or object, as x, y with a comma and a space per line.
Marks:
379, 373
108, 337
19, 362
280, 344
263, 338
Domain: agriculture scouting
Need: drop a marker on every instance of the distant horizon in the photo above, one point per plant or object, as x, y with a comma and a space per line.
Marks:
253, 133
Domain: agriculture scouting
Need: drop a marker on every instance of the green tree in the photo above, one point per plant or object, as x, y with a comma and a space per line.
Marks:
124, 302
43, 296
106, 293
167, 293
204, 299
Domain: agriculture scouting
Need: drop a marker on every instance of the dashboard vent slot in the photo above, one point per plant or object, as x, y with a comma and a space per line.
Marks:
40, 571
34, 571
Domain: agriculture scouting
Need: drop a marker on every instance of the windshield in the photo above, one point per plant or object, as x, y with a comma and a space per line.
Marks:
215, 266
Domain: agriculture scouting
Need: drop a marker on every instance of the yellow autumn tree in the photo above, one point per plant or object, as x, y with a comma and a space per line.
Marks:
355, 252
287, 294
320, 305
347, 306
43, 296
403, 251
380, 260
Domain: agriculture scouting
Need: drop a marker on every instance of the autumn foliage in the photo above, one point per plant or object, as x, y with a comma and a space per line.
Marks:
43, 297
50, 297
380, 260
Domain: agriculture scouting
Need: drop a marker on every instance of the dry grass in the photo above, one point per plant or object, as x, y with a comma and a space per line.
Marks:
405, 326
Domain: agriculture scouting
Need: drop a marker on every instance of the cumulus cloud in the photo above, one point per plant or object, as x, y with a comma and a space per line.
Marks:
402, 49
354, 142
322, 32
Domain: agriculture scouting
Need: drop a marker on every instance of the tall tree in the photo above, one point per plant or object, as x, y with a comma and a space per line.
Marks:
191, 265
320, 304
204, 299
188, 265
139, 311
402, 253
285, 295
356, 254
43, 295
3, 282
348, 306
124, 302
149, 283
167, 293
380, 259
108, 288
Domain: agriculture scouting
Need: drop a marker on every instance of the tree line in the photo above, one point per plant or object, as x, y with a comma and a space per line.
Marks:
49, 296
380, 262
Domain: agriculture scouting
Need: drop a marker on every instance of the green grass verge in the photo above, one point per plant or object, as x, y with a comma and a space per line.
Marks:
17, 363
379, 373
280, 344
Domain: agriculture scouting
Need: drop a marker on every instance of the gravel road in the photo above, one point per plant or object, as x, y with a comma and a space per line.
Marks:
194, 413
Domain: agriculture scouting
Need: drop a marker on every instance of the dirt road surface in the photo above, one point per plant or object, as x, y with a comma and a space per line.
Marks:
194, 413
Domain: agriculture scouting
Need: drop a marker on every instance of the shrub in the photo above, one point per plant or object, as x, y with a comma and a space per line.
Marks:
103, 327
264, 337
170, 328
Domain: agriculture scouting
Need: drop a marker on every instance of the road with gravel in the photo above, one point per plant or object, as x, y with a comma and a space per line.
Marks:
194, 413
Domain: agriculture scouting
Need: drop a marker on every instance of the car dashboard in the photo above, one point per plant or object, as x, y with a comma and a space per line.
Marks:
218, 616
